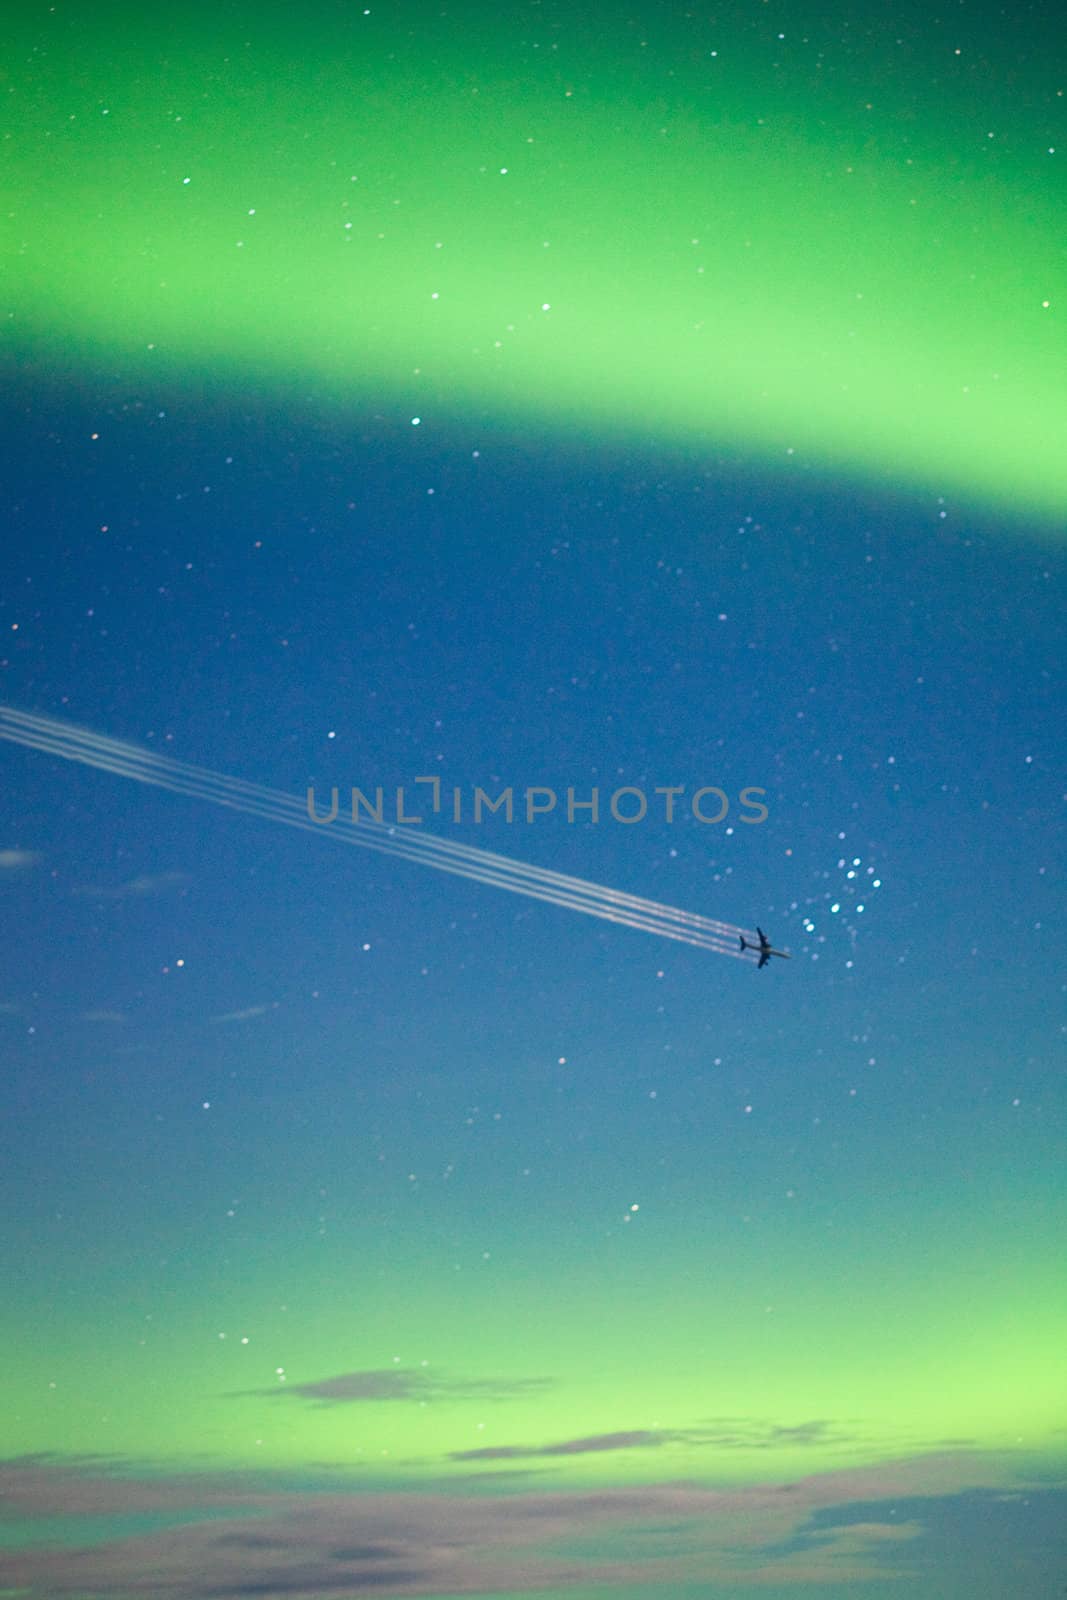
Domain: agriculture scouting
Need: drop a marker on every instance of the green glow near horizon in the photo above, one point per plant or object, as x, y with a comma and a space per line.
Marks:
861, 1342
730, 259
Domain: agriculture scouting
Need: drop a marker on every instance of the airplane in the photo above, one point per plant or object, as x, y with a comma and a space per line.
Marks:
766, 951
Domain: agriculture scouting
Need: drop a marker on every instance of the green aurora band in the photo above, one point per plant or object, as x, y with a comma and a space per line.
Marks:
763, 236
510, 1329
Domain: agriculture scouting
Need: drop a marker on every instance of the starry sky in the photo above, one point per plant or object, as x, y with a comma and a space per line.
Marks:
533, 398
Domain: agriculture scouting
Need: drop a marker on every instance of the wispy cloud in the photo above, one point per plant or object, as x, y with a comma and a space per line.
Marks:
745, 1435
103, 1016
754, 1433
249, 1011
18, 860
397, 1383
135, 888
633, 1439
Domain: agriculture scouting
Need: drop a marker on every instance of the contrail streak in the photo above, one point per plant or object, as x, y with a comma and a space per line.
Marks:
57, 738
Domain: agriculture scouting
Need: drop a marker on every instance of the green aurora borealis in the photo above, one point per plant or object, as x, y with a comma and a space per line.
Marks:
806, 241
478, 1270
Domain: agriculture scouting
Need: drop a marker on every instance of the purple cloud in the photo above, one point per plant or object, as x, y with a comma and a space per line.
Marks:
399, 1383
242, 1536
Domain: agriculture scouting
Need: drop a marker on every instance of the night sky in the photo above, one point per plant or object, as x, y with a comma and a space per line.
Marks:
533, 398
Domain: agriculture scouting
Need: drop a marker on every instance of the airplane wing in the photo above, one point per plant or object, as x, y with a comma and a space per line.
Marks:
764, 958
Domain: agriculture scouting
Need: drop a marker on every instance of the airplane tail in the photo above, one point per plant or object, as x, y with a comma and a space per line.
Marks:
744, 946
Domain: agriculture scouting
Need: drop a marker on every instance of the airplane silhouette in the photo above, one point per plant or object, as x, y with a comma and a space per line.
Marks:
765, 948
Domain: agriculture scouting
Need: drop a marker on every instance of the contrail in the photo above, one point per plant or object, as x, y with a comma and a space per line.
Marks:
446, 855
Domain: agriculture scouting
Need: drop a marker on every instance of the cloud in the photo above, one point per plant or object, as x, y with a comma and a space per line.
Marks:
397, 1383
244, 1535
18, 860
103, 1016
136, 888
635, 1439
249, 1011
754, 1433
744, 1435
